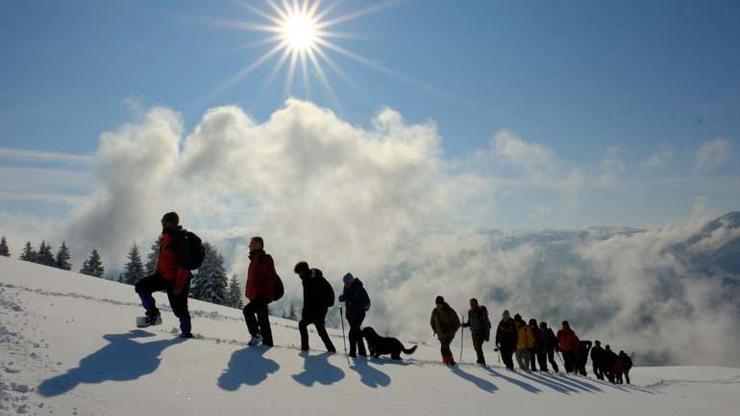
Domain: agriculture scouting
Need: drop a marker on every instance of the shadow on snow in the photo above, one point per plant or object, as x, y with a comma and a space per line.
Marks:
247, 366
317, 369
122, 359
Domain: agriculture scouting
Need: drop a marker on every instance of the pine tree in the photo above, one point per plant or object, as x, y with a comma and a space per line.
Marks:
45, 255
62, 259
152, 257
93, 266
209, 284
28, 254
134, 269
234, 297
4, 250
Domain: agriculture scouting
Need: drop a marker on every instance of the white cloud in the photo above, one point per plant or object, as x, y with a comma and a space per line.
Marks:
712, 155
28, 155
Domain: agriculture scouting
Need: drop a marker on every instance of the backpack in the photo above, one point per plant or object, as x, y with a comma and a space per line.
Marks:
364, 300
193, 252
328, 292
278, 290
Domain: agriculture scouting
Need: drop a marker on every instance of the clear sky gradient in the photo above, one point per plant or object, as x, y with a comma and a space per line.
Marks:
587, 79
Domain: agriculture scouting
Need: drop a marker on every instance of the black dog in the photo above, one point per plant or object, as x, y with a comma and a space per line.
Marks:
384, 345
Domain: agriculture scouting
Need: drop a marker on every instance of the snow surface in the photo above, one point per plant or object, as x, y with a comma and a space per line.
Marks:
68, 346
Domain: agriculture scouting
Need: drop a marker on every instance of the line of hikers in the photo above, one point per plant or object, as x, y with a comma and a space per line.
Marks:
532, 344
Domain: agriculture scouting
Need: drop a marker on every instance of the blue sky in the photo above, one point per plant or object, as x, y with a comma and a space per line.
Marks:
588, 80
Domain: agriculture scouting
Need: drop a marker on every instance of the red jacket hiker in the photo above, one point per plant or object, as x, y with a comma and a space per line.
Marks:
168, 265
567, 340
261, 276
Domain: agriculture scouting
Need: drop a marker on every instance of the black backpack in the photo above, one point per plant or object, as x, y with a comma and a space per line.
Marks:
193, 251
328, 292
278, 290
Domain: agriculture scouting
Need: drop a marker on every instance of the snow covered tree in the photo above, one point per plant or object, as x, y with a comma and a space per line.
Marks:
234, 297
93, 266
62, 259
134, 269
28, 254
4, 250
45, 255
209, 284
152, 258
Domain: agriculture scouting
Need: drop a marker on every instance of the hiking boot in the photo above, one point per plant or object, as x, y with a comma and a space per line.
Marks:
150, 319
256, 340
186, 335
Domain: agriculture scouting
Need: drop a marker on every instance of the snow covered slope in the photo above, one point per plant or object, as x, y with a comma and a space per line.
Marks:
68, 347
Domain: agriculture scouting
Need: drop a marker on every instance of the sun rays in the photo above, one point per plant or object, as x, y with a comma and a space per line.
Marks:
302, 36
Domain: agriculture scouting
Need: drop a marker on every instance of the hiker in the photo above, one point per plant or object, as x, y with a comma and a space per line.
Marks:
609, 361
626, 362
597, 354
506, 337
445, 323
357, 303
480, 328
524, 343
549, 343
538, 350
568, 345
261, 279
583, 348
318, 297
170, 276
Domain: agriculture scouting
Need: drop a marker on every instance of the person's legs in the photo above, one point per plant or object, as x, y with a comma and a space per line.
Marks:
542, 360
249, 317
519, 354
179, 304
145, 287
551, 358
568, 361
532, 361
303, 330
263, 318
321, 330
478, 346
627, 376
446, 351
507, 357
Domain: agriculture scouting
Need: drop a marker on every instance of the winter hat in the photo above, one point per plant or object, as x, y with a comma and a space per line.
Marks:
439, 300
171, 217
506, 314
348, 278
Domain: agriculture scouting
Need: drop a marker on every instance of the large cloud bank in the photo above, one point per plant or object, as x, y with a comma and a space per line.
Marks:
382, 203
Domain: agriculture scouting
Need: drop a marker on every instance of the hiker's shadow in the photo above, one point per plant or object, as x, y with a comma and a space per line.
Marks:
122, 359
371, 377
247, 366
479, 382
524, 385
317, 369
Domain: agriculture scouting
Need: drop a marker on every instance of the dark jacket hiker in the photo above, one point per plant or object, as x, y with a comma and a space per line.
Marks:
480, 328
445, 323
318, 296
357, 302
506, 337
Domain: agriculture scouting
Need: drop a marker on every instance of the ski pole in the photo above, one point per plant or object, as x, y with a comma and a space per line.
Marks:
462, 337
341, 319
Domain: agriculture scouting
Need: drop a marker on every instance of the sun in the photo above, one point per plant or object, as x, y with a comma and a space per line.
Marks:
300, 33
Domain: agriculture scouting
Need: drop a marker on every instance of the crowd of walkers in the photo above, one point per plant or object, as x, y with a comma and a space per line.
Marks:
533, 345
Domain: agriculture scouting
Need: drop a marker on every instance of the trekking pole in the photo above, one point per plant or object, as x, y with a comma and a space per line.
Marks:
341, 319
462, 337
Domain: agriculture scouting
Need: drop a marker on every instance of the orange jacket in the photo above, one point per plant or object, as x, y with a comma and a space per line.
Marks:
261, 277
168, 266
524, 339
